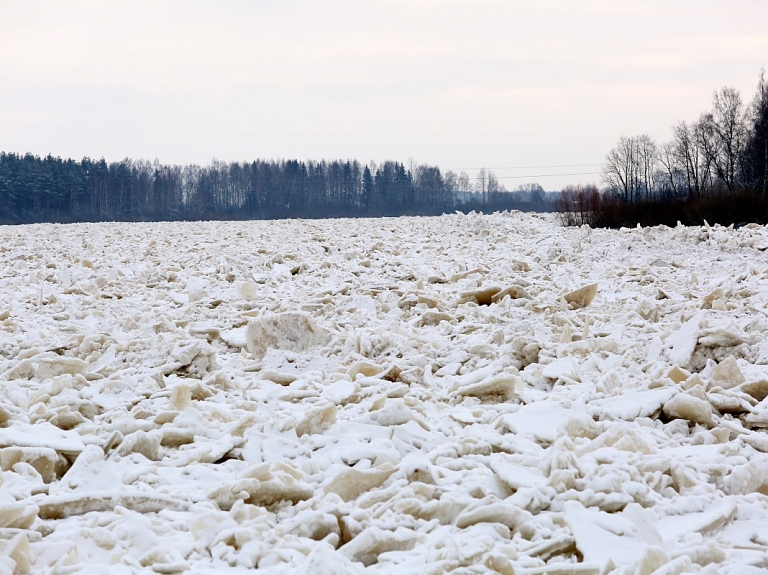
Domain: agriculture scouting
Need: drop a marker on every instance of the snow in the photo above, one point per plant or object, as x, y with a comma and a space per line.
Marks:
467, 393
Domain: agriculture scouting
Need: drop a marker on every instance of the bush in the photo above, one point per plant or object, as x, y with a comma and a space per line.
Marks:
577, 206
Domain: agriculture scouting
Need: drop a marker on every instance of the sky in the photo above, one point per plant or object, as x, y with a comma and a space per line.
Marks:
536, 91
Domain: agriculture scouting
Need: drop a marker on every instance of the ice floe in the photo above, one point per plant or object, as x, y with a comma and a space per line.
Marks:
467, 393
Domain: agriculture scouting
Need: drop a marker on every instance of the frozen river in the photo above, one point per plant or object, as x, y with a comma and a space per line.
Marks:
464, 394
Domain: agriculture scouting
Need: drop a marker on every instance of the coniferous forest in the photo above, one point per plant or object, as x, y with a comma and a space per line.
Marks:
52, 189
714, 169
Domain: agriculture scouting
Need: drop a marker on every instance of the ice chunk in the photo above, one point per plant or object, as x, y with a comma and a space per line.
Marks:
366, 369
263, 485
501, 387
491, 510
350, 483
716, 514
727, 373
756, 389
23, 369
181, 396
432, 317
366, 547
563, 368
16, 514
43, 459
714, 299
146, 443
632, 404
17, 550
317, 419
682, 343
689, 407
482, 296
514, 475
581, 297
751, 477
68, 505
41, 434
164, 560
248, 290
290, 331
514, 292
541, 420
677, 374
611, 539
52, 366
89, 473
235, 337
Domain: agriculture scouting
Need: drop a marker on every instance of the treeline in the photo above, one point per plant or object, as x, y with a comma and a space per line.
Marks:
714, 168
51, 189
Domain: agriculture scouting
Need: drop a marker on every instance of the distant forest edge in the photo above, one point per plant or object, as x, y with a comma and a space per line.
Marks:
713, 169
52, 189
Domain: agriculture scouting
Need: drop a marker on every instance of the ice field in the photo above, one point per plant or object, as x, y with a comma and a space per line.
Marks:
463, 394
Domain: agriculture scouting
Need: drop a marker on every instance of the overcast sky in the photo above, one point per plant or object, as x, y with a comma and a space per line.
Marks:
526, 88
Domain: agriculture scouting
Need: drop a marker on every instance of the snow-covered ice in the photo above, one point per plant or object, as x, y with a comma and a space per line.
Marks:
466, 394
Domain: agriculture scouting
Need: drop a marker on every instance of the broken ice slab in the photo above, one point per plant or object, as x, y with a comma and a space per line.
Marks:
234, 337
581, 297
290, 331
366, 547
16, 514
682, 343
565, 368
491, 509
716, 514
264, 484
43, 459
614, 540
68, 505
52, 366
727, 373
541, 420
514, 475
632, 404
350, 483
689, 407
500, 387
41, 434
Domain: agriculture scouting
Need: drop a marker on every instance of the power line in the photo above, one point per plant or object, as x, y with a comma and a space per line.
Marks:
540, 176
525, 167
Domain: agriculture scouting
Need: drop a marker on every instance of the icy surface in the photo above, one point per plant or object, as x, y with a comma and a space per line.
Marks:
468, 394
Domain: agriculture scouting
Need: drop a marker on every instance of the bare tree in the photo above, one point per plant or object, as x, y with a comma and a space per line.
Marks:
647, 159
532, 192
493, 184
630, 168
481, 185
579, 205
686, 166
757, 147
723, 137
463, 183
